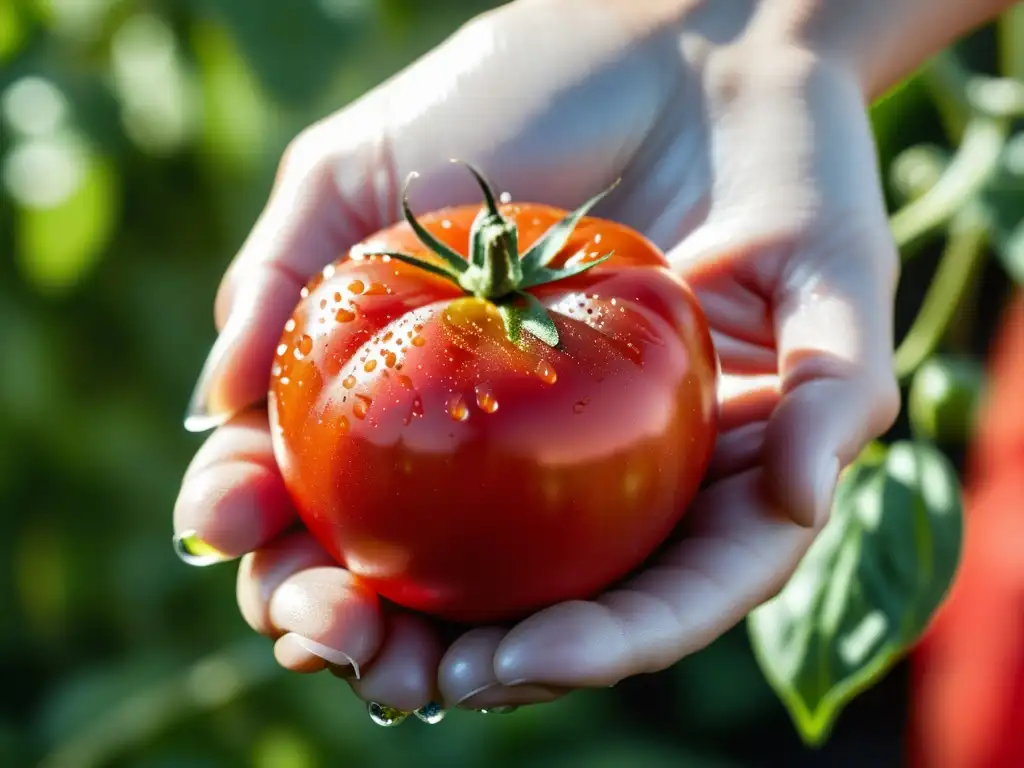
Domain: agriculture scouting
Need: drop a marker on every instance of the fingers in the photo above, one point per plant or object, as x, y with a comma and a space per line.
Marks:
833, 325
403, 675
738, 552
466, 677
232, 499
324, 618
292, 587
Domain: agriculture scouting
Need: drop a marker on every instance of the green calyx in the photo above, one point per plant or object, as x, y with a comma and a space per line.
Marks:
495, 270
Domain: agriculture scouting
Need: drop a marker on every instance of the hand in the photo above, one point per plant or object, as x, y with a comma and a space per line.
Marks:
750, 161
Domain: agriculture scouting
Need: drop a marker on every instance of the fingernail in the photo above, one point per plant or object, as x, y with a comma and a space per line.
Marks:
476, 692
431, 714
385, 716
825, 491
192, 550
325, 652
498, 710
204, 411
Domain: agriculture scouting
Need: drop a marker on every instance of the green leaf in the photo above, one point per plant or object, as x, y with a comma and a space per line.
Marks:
554, 240
867, 588
525, 312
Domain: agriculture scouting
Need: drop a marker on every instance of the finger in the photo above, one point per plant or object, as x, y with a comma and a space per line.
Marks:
833, 324
291, 589
738, 552
403, 674
466, 678
232, 498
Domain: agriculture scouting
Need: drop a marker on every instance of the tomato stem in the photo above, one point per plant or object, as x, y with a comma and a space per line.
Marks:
495, 270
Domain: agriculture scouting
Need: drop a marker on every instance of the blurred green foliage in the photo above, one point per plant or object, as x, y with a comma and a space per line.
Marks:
138, 139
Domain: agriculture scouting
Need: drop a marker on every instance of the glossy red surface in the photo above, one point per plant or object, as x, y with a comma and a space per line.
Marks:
469, 478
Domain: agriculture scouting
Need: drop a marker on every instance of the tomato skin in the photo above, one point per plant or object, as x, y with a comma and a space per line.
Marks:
466, 477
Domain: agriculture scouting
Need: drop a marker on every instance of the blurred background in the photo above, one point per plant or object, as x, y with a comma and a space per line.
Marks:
138, 140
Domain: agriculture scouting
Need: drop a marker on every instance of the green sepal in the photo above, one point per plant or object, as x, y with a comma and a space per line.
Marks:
554, 240
543, 275
453, 259
525, 312
426, 266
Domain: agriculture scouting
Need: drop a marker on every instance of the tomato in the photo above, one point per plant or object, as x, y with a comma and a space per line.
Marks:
477, 453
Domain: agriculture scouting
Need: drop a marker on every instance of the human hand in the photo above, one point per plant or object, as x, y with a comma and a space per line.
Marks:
750, 162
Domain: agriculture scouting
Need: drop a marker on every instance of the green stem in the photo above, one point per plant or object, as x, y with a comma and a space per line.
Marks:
972, 167
963, 256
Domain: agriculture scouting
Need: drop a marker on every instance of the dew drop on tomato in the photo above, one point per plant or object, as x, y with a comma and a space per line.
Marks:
545, 372
485, 399
361, 406
457, 408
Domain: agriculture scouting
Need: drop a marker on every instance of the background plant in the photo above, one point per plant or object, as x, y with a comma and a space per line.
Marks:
137, 139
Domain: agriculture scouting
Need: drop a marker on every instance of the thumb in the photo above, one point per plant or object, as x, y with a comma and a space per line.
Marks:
833, 313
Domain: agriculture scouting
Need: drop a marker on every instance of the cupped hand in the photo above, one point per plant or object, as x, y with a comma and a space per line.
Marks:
749, 160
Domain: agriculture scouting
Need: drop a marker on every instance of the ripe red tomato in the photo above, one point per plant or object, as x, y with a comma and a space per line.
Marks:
477, 454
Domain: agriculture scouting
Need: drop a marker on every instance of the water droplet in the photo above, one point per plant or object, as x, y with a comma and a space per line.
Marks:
328, 272
507, 710
431, 713
348, 382
505, 198
390, 358
290, 325
579, 405
356, 287
281, 349
344, 315
457, 409
597, 238
384, 715
485, 399
362, 405
275, 370
343, 424
417, 406
323, 303
389, 335
405, 381
446, 224
545, 372
304, 292
378, 289
337, 296
370, 366
305, 345
285, 381
418, 341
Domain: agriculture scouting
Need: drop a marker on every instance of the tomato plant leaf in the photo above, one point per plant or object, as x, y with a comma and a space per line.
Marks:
551, 242
525, 312
867, 588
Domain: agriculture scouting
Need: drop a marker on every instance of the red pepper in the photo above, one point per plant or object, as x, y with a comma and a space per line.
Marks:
967, 697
